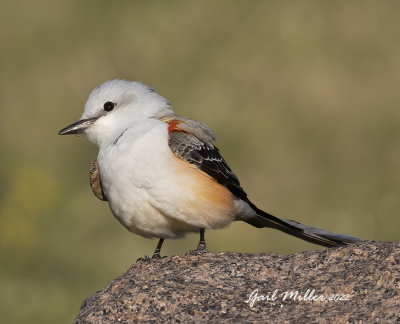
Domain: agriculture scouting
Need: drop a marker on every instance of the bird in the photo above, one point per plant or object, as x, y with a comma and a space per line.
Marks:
161, 173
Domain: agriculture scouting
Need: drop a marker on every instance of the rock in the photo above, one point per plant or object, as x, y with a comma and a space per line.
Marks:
362, 280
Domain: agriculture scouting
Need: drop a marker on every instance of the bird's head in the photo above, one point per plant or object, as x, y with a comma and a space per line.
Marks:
113, 106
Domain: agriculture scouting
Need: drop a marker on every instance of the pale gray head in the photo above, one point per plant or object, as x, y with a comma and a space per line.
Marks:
114, 105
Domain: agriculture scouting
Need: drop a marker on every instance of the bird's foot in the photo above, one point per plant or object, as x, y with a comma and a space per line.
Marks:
146, 258
157, 256
201, 249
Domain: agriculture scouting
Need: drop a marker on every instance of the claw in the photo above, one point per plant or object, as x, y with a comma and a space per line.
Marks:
201, 248
146, 258
156, 256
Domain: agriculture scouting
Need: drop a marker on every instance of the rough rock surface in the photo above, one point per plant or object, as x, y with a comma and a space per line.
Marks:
215, 288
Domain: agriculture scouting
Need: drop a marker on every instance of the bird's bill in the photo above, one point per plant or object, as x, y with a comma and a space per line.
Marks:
78, 127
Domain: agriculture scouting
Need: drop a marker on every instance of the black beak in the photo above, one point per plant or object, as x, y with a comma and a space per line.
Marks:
78, 127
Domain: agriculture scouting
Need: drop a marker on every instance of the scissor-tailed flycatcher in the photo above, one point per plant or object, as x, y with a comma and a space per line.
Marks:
161, 173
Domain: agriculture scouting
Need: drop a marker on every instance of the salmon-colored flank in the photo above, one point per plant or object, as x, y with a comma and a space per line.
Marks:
214, 202
173, 125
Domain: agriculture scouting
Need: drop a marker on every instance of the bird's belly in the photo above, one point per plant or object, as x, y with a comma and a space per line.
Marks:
155, 194
139, 216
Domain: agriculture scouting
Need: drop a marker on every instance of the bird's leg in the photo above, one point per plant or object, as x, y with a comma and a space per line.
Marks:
201, 247
156, 254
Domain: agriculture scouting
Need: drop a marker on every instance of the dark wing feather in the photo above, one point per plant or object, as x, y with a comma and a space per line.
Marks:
207, 158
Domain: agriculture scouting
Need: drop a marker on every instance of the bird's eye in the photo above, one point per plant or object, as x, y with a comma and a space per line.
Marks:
108, 106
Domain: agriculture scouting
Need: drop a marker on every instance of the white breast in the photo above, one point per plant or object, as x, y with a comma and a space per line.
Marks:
153, 193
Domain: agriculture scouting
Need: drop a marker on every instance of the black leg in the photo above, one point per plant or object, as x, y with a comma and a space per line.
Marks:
201, 247
156, 254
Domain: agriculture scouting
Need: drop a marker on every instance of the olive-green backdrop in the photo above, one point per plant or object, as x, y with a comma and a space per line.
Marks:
304, 97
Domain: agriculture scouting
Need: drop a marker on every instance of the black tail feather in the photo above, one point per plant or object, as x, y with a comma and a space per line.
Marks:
304, 232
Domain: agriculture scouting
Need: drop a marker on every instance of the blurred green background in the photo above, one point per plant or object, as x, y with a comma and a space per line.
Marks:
304, 97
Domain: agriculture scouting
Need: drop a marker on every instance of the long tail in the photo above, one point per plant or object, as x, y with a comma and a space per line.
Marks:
304, 232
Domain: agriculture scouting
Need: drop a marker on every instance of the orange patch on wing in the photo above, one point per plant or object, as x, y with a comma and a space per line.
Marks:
173, 125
